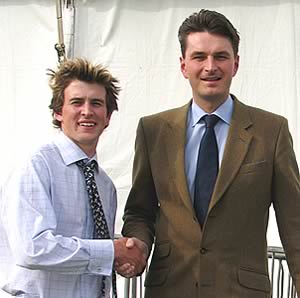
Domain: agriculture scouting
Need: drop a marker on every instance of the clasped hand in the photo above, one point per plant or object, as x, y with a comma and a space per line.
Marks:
130, 256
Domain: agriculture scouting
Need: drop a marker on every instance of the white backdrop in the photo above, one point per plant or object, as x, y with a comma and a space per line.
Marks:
137, 41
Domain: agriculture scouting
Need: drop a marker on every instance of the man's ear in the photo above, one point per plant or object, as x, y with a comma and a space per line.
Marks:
58, 116
182, 67
236, 64
107, 120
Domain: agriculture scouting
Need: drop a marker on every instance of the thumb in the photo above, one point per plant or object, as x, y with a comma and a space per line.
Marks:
130, 243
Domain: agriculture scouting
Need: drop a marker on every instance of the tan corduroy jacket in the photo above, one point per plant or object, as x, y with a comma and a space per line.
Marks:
227, 258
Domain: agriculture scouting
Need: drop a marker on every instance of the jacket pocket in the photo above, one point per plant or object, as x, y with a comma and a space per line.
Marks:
252, 279
161, 251
156, 277
253, 167
159, 267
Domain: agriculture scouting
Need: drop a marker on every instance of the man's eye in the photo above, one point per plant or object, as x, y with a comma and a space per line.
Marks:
75, 102
98, 103
200, 58
221, 57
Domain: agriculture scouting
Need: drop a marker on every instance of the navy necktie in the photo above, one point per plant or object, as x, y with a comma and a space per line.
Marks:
207, 168
101, 228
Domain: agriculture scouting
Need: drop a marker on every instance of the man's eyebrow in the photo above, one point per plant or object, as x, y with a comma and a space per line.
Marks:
97, 99
222, 53
195, 53
76, 98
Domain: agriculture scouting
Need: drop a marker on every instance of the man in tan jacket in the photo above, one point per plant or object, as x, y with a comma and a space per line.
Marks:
222, 254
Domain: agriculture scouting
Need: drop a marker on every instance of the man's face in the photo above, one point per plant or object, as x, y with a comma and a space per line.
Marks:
209, 65
84, 114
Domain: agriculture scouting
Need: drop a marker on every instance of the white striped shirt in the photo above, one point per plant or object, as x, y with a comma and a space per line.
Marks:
48, 222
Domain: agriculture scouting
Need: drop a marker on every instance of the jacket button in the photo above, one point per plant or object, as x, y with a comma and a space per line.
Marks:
203, 251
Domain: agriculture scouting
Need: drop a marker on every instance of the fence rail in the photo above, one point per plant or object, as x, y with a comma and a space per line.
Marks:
281, 280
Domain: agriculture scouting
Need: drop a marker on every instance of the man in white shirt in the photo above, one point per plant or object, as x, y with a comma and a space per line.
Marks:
46, 211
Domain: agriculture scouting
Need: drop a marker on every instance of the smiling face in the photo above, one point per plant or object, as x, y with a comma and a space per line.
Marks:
209, 65
84, 114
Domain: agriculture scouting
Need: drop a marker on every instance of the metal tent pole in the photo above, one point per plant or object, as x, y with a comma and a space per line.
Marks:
60, 46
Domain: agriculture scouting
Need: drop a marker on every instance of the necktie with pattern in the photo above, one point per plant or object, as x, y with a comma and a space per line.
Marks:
207, 168
100, 222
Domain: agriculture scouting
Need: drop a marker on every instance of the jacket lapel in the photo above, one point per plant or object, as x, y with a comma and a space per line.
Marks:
176, 139
236, 148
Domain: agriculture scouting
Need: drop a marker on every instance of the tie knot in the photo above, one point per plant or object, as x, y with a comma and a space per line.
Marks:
210, 120
84, 164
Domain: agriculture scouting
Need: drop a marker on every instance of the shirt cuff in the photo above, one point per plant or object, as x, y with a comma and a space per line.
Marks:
101, 256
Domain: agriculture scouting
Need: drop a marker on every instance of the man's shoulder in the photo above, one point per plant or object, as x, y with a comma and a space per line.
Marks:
263, 112
258, 114
45, 151
40, 160
168, 114
36, 165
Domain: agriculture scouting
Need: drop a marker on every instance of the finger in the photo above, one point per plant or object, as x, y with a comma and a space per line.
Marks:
123, 267
141, 245
127, 271
130, 243
131, 271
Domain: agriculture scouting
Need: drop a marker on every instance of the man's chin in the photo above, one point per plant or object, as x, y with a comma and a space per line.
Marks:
214, 95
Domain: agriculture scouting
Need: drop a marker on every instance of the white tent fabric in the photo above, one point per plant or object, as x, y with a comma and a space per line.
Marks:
137, 41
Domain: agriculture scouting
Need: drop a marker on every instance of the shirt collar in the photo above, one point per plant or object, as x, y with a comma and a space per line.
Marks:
69, 151
224, 111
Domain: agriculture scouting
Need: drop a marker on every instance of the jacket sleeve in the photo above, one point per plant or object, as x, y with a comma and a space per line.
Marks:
286, 200
142, 204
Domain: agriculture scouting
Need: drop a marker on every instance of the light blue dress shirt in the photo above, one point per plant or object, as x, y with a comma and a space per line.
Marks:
195, 132
48, 221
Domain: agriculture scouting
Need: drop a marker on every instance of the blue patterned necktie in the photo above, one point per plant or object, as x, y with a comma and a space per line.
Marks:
207, 168
100, 222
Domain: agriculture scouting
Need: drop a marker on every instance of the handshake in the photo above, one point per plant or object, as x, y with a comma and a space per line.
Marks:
130, 256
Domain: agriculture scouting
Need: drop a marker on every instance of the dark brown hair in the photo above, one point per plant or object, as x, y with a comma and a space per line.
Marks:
211, 22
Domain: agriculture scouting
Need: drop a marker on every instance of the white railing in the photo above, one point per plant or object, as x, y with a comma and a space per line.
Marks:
281, 280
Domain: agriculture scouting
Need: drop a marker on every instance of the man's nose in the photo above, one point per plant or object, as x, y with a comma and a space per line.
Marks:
210, 64
86, 109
